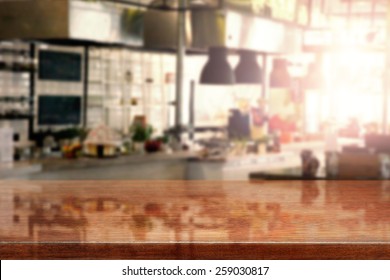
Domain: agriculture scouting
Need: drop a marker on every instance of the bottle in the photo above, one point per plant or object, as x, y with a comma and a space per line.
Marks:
331, 164
385, 166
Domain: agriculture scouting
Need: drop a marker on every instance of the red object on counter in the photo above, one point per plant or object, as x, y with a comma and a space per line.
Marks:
278, 124
152, 146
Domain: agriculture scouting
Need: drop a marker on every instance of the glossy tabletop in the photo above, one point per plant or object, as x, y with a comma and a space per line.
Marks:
190, 220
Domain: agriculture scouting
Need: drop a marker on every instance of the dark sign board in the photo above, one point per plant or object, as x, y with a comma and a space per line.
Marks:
59, 110
59, 66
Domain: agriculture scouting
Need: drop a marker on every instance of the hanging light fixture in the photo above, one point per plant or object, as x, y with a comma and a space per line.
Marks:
217, 70
313, 79
280, 78
248, 70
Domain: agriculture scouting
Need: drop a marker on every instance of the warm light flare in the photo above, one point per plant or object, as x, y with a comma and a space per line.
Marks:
354, 86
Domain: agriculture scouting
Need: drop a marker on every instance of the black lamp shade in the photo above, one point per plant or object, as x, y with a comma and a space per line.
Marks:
280, 78
217, 70
248, 70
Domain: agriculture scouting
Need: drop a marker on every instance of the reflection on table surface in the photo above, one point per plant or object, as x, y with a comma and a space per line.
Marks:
131, 211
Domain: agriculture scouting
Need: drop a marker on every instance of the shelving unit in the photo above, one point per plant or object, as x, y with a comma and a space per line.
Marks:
124, 84
16, 103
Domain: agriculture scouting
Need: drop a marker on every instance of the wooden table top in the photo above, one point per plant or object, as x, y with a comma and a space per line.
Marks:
194, 220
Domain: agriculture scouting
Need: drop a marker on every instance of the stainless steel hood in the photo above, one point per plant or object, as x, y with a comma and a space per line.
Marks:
100, 22
105, 22
34, 19
243, 31
222, 28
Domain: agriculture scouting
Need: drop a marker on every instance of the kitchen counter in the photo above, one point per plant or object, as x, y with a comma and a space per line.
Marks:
175, 166
194, 220
156, 166
239, 167
19, 170
54, 164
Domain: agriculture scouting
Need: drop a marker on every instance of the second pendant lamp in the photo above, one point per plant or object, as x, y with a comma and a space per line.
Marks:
217, 70
248, 70
280, 78
314, 79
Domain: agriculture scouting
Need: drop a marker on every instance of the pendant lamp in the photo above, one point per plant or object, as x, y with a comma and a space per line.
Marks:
313, 79
217, 70
280, 78
248, 70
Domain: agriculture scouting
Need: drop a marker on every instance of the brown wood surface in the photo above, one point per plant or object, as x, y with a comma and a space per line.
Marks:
195, 220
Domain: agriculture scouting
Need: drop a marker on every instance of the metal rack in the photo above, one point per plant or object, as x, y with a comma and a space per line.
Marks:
16, 90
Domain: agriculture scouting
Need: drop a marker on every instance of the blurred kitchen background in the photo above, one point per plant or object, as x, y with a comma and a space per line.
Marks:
194, 89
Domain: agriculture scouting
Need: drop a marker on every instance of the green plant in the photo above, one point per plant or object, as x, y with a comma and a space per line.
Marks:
141, 133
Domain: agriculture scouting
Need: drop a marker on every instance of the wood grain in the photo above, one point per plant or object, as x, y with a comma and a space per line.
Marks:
194, 220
